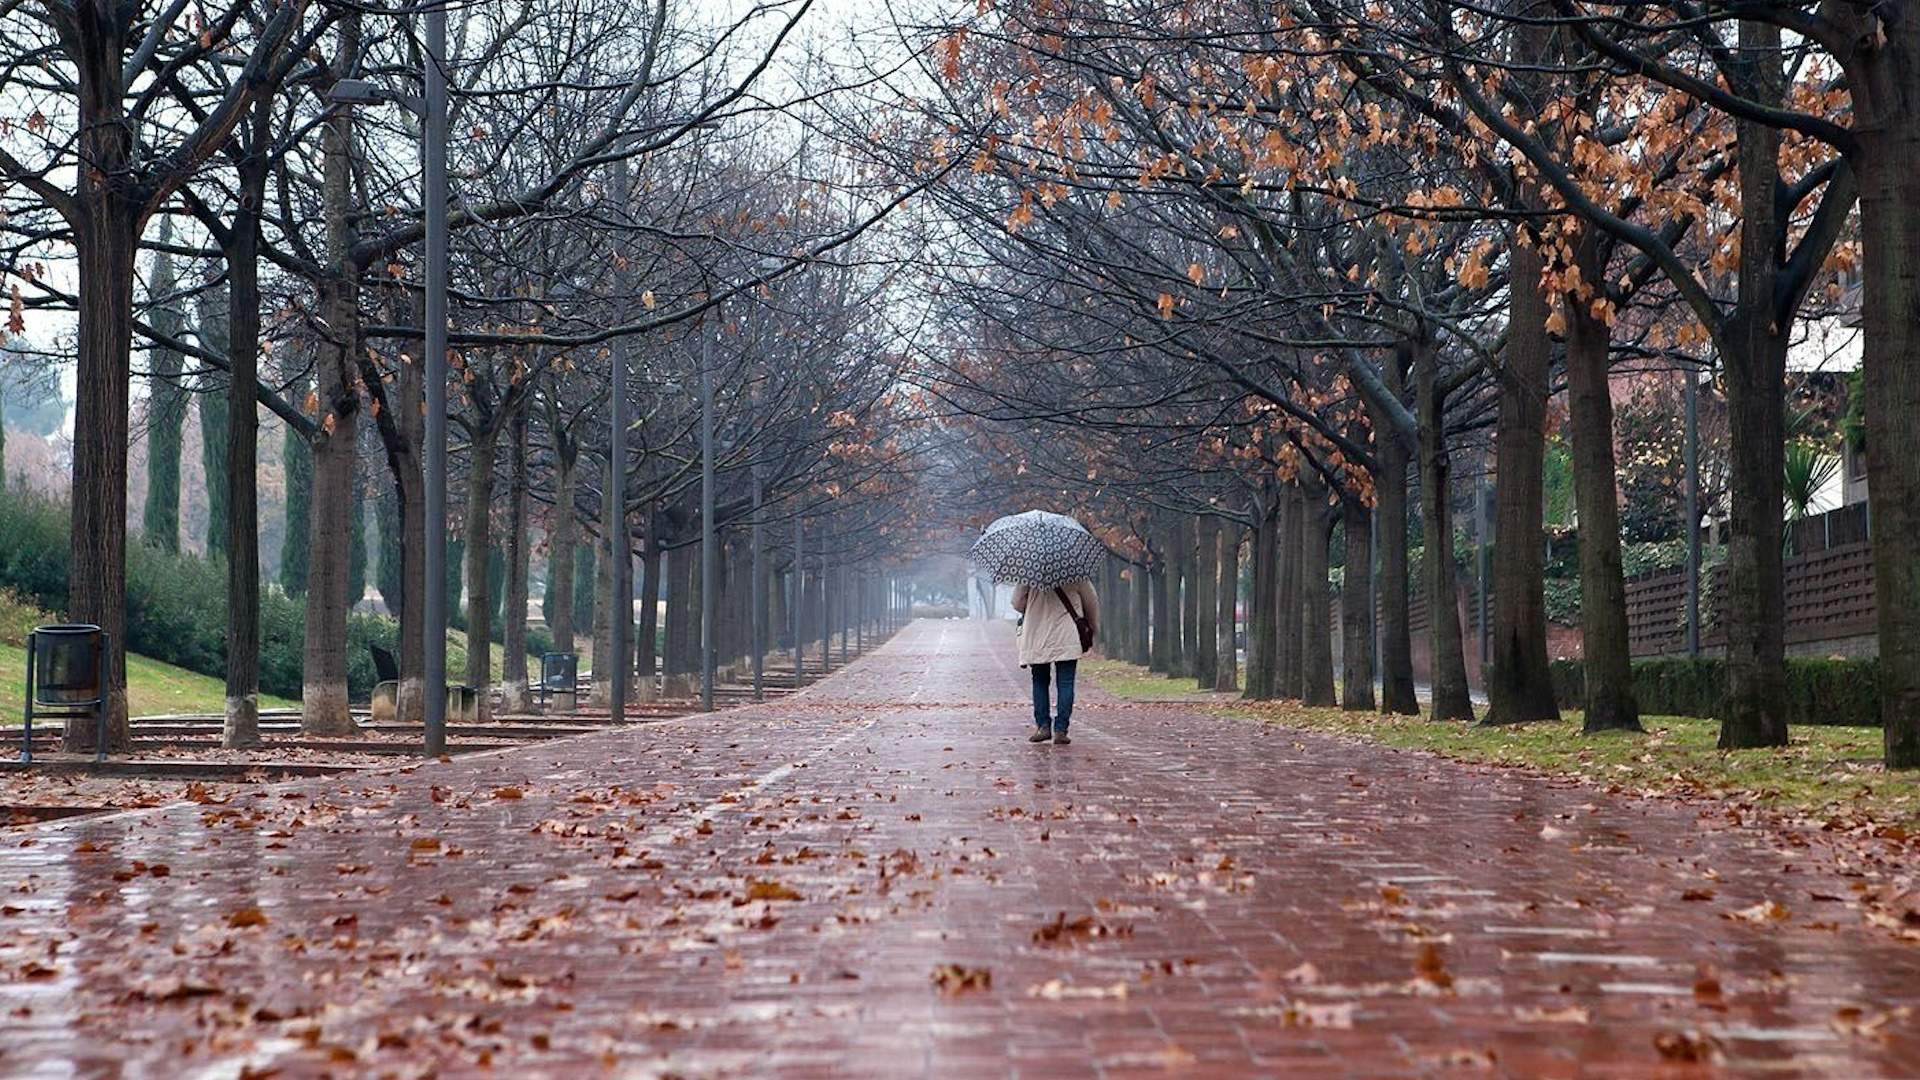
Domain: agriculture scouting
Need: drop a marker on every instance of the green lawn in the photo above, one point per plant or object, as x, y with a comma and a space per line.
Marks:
1827, 772
153, 687
1137, 683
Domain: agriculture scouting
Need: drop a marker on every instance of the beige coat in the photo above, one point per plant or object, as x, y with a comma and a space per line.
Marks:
1047, 634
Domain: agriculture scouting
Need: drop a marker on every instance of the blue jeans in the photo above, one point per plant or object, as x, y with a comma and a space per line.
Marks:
1041, 673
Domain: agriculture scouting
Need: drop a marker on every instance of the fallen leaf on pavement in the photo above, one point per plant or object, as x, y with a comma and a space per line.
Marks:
246, 917
1432, 967
1690, 1046
958, 979
770, 890
1764, 911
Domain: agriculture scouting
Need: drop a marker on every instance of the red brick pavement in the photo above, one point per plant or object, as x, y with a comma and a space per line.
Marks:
781, 891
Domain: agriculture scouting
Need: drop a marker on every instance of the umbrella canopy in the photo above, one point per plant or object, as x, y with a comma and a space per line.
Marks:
1038, 548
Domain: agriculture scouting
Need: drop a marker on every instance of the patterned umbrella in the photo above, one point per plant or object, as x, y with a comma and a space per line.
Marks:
1039, 549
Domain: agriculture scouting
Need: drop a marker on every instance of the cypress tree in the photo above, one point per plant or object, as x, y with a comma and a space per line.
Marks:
357, 546
166, 412
390, 570
213, 418
297, 456
583, 585
546, 594
497, 589
456, 562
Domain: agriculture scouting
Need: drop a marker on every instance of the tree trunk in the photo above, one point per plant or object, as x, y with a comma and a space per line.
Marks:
1395, 585
1452, 700
479, 583
562, 544
106, 230
324, 662
1890, 228
779, 617
1262, 606
1356, 608
1186, 644
1290, 676
1113, 606
1316, 599
683, 616
1227, 557
647, 643
1519, 684
411, 702
1752, 597
1165, 624
517, 696
1139, 617
1206, 562
97, 585
1611, 704
242, 722
606, 667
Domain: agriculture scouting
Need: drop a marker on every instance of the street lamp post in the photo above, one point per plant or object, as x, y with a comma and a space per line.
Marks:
709, 555
432, 111
758, 629
434, 200
1693, 511
619, 620
1483, 566
797, 613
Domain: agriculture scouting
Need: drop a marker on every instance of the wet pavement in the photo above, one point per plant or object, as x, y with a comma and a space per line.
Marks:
879, 877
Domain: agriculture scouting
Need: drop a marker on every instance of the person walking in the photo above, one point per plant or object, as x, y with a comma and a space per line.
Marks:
1051, 642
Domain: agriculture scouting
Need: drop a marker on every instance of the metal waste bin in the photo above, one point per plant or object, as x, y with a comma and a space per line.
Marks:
559, 674
67, 678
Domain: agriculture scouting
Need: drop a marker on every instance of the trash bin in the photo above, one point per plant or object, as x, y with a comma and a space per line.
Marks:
67, 677
559, 679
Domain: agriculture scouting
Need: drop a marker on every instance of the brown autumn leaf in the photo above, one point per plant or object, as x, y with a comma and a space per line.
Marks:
246, 917
1060, 930
1687, 1046
508, 792
1432, 967
1854, 1020
958, 978
172, 988
1707, 994
1697, 894
766, 889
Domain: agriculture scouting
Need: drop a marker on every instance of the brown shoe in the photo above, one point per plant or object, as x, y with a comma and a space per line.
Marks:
1039, 736
1060, 738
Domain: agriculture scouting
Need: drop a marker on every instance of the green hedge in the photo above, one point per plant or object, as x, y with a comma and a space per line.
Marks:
1835, 693
177, 605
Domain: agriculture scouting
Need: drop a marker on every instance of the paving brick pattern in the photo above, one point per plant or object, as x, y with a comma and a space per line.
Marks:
879, 877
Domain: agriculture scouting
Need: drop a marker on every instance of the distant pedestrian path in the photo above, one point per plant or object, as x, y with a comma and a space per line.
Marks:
879, 877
